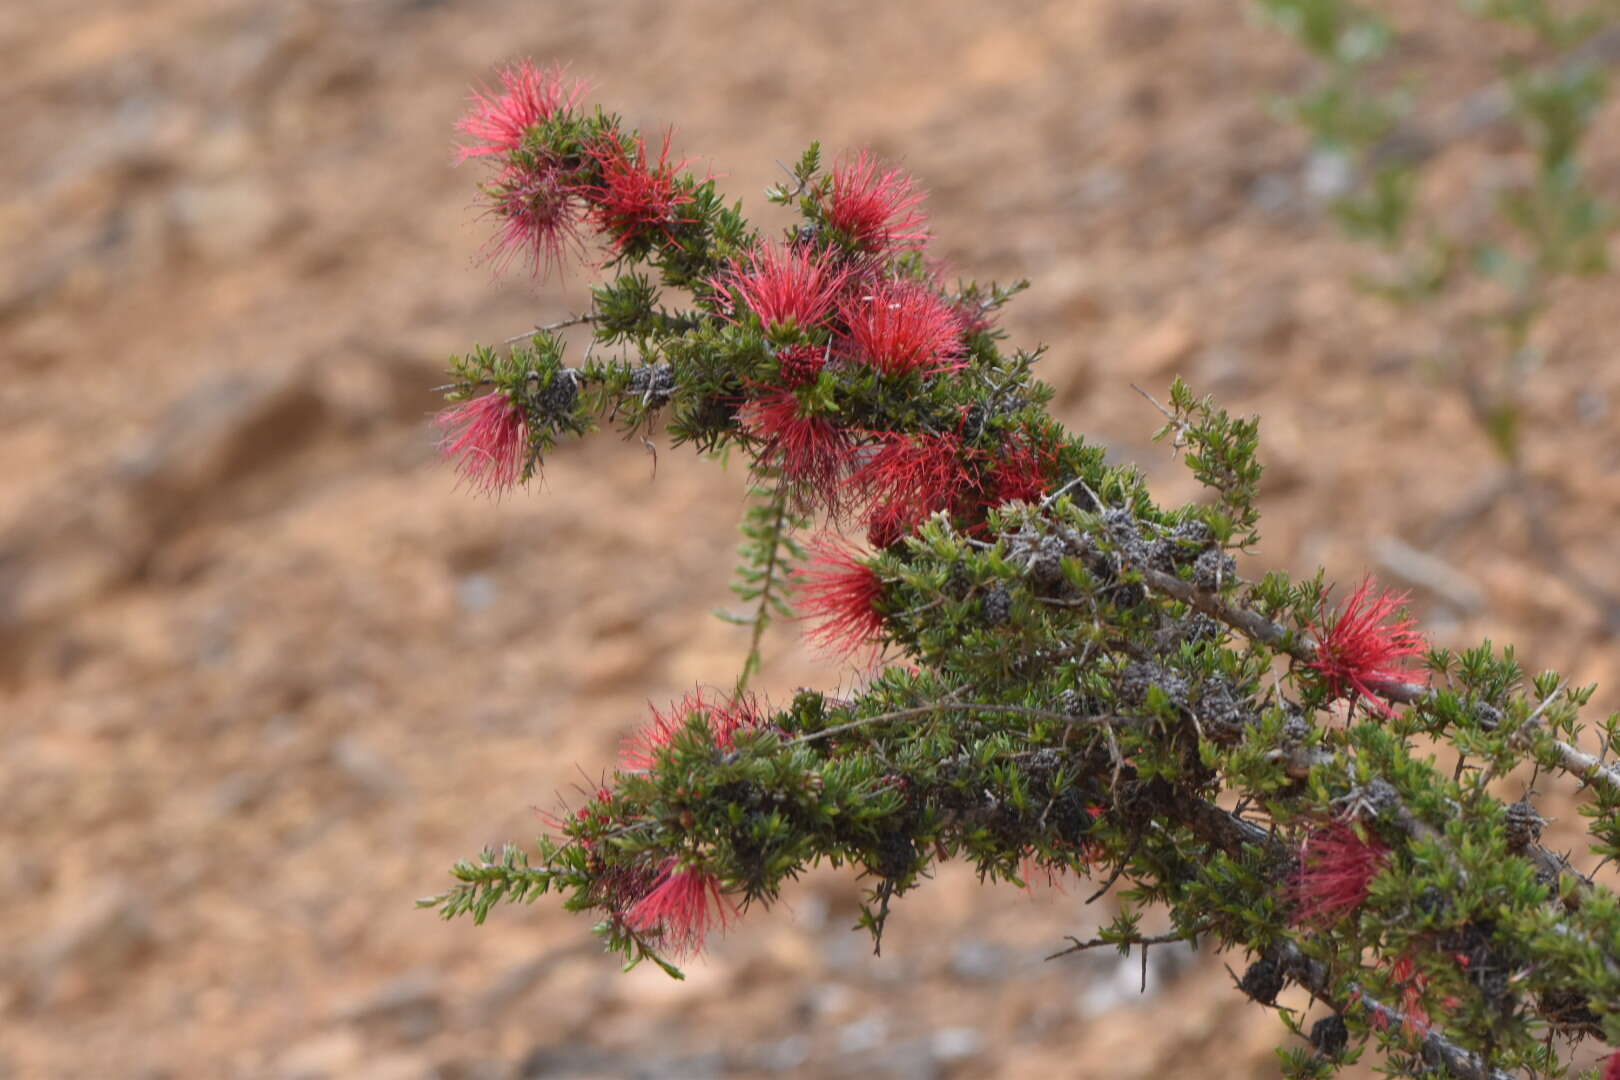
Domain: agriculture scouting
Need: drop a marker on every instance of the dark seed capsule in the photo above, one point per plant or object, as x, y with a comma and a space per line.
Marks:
997, 606
1263, 981
1330, 1036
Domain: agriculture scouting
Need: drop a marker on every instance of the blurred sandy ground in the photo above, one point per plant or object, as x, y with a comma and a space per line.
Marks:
264, 674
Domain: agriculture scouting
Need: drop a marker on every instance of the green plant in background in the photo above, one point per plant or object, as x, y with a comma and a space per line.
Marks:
1062, 675
1377, 130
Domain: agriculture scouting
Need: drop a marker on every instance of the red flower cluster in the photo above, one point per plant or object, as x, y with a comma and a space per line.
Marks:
530, 194
907, 479
785, 286
877, 209
539, 218
1017, 473
1336, 869
529, 96
1413, 984
1357, 652
724, 716
1612, 1072
813, 452
636, 196
489, 439
681, 908
539, 198
844, 595
800, 365
821, 306
1030, 866
902, 327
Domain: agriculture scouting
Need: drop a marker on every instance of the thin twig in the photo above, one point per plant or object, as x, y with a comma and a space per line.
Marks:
572, 320
1519, 735
1175, 421
1097, 942
1079, 482
1251, 624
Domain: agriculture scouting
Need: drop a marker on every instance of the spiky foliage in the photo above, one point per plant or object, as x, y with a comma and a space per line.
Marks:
1079, 678
765, 576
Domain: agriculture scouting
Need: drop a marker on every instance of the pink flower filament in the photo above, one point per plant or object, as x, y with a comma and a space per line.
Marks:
529, 95
723, 715
844, 595
785, 286
1336, 869
1357, 650
903, 327
681, 909
488, 437
876, 208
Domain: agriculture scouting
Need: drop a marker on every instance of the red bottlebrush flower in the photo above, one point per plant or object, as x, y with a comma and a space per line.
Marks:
785, 285
1412, 984
1612, 1072
801, 365
1029, 866
636, 196
1356, 651
901, 327
681, 909
724, 716
907, 479
1017, 474
528, 96
489, 438
1336, 869
618, 887
876, 208
539, 217
813, 453
889, 523
844, 594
